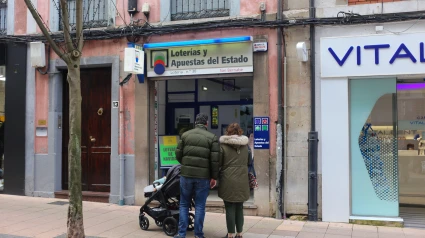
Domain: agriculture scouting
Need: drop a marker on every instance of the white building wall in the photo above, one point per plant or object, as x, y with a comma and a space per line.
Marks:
333, 134
335, 145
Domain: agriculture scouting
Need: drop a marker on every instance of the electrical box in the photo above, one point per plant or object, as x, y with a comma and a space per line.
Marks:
379, 28
132, 6
37, 54
302, 53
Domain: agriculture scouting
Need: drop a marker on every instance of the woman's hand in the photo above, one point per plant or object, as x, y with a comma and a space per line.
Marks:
213, 183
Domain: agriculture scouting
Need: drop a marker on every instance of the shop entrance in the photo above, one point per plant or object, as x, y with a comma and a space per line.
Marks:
387, 130
411, 151
225, 101
95, 130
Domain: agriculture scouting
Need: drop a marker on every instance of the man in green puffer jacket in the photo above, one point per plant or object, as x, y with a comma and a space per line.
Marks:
198, 152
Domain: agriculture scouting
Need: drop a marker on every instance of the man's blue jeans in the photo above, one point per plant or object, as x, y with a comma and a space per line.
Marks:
199, 189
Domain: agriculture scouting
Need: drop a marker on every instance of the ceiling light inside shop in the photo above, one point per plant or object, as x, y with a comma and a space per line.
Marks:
204, 88
2, 78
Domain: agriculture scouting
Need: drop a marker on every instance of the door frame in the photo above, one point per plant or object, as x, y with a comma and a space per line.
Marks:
86, 145
55, 117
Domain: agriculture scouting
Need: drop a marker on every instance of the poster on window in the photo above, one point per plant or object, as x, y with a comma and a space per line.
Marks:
167, 151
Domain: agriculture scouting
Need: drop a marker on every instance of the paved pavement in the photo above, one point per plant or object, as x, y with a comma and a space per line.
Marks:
43, 217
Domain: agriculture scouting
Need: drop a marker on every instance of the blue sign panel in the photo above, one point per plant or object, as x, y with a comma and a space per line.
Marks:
261, 133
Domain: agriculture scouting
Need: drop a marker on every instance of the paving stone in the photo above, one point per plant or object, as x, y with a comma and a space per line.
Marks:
284, 227
366, 234
285, 233
314, 229
253, 235
339, 231
336, 236
310, 235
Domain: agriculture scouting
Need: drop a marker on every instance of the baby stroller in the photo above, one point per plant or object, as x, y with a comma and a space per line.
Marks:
166, 214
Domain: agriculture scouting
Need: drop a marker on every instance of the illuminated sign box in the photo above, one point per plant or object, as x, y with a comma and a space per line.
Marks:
210, 56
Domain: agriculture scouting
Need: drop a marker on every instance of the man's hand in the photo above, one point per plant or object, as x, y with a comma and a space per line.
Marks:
213, 183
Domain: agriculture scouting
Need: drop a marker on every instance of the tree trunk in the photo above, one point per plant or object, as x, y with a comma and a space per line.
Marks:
75, 210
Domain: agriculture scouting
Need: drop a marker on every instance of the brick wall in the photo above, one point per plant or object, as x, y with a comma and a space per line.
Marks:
358, 2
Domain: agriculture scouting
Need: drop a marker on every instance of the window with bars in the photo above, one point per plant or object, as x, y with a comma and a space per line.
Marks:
3, 17
196, 9
95, 13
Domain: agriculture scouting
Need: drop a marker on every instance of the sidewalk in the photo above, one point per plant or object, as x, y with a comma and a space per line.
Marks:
43, 217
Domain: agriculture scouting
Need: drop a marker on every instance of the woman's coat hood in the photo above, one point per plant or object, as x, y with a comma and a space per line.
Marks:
234, 140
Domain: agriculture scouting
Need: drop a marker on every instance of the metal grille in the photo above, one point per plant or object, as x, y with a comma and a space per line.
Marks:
413, 216
95, 14
3, 17
196, 9
380, 157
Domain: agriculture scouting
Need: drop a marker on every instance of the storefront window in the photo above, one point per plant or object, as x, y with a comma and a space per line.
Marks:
373, 145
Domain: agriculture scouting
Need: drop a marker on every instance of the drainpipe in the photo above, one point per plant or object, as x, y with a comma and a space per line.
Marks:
313, 139
279, 132
121, 147
284, 132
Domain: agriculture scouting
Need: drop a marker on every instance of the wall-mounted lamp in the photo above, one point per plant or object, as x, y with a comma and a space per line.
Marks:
132, 7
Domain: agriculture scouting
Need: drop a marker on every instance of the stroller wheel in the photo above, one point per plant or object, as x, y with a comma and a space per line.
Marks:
158, 223
144, 223
191, 225
170, 226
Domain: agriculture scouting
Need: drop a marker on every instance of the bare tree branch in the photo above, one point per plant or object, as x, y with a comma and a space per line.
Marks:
80, 23
66, 26
43, 29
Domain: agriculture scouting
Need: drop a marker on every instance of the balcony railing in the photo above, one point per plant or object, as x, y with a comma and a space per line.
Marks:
196, 9
3, 18
95, 14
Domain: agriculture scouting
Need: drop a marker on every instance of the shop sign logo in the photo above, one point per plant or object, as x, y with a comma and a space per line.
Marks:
401, 52
159, 61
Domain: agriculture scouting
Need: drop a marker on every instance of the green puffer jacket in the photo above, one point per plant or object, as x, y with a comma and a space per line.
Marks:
233, 178
198, 153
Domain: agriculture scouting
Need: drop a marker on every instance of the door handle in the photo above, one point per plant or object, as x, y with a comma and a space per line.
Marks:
100, 112
92, 139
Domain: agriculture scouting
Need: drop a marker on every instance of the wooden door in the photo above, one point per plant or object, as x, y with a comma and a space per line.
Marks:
95, 130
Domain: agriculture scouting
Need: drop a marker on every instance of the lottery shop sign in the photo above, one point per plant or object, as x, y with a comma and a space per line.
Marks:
168, 60
261, 132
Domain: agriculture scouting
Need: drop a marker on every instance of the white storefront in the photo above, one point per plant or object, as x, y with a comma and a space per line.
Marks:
358, 71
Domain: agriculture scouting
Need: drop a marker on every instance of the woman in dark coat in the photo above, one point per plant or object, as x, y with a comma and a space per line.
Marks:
233, 179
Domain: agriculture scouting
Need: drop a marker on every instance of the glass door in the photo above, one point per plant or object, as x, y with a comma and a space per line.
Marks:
411, 146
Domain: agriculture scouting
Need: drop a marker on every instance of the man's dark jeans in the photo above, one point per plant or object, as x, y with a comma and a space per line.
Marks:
199, 188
